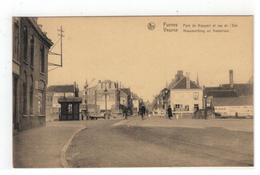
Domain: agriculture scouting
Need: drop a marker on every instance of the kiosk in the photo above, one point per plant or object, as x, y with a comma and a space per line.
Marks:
69, 108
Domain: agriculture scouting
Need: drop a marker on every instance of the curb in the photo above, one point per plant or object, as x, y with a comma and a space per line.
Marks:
121, 122
64, 163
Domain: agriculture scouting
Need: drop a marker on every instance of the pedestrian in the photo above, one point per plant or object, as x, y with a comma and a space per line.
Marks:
82, 116
125, 112
169, 112
142, 111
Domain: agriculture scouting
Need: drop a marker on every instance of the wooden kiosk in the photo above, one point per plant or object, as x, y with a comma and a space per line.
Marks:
69, 108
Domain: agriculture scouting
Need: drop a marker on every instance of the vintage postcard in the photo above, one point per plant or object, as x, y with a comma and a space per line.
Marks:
133, 91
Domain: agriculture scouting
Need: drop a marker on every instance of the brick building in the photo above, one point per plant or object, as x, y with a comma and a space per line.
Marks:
30, 73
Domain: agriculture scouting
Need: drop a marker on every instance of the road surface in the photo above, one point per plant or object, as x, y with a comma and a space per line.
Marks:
106, 144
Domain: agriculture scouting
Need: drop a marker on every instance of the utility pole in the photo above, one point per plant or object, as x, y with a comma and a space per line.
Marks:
61, 36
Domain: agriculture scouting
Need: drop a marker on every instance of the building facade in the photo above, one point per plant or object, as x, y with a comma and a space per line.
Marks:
107, 96
241, 106
135, 103
232, 99
30, 73
186, 96
161, 102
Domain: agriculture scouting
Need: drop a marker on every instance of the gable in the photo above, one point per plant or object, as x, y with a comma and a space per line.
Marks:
182, 84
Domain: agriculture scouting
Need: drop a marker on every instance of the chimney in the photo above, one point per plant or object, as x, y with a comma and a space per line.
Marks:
74, 86
187, 80
179, 75
231, 80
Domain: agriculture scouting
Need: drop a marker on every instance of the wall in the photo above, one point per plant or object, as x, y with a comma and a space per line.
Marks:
232, 110
111, 100
186, 97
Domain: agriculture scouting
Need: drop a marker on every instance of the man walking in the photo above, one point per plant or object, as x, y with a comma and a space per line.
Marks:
125, 112
142, 111
169, 112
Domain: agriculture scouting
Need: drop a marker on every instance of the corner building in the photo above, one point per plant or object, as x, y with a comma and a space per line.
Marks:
30, 73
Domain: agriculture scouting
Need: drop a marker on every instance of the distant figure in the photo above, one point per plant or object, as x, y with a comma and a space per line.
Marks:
125, 112
142, 111
169, 112
82, 116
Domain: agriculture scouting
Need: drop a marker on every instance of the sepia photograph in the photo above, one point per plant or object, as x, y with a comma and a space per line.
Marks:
132, 91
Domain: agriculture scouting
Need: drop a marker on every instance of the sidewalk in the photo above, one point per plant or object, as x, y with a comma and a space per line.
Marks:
41, 147
155, 121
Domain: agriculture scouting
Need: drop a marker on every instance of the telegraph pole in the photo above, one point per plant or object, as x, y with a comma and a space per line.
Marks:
61, 36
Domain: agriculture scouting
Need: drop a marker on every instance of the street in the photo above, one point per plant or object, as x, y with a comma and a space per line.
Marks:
107, 143
154, 142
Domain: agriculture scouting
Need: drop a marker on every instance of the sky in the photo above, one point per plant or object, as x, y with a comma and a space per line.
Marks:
124, 49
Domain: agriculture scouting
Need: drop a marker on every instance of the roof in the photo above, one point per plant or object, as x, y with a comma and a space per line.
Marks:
107, 81
61, 88
233, 101
127, 91
220, 92
181, 84
69, 99
242, 89
135, 96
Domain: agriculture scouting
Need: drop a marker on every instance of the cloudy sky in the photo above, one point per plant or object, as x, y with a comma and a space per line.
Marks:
124, 49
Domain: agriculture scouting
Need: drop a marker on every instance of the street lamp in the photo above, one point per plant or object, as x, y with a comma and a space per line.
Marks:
205, 107
86, 98
86, 94
106, 92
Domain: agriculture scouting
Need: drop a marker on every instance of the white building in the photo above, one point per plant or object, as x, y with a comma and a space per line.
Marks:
186, 96
107, 95
241, 106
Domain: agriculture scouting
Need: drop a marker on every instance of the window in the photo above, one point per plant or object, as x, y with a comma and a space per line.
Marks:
25, 42
69, 108
15, 41
32, 51
195, 95
25, 94
178, 107
42, 61
186, 107
40, 102
31, 96
196, 107
41, 99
